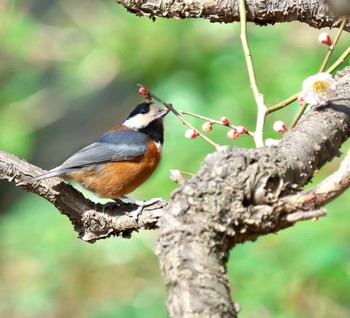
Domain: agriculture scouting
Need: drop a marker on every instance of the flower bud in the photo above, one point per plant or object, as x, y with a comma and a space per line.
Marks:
225, 121
176, 176
301, 101
143, 90
191, 133
241, 130
207, 126
232, 134
279, 126
324, 38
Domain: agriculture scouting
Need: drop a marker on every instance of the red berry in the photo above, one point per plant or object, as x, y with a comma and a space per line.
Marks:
232, 134
225, 121
207, 126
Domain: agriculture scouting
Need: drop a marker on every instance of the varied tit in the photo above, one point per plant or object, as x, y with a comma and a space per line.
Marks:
122, 159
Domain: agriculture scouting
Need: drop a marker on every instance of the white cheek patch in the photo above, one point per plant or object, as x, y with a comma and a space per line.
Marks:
137, 122
141, 120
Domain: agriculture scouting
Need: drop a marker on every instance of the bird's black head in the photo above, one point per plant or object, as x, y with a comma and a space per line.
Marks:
147, 118
140, 109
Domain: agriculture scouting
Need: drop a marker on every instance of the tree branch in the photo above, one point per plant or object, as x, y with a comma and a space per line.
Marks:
328, 190
314, 13
237, 196
92, 221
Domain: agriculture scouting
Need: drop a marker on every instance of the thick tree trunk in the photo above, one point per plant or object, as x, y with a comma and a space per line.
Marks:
237, 196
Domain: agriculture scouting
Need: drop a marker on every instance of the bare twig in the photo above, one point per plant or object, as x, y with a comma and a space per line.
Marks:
305, 215
214, 121
298, 115
328, 190
259, 98
339, 61
332, 47
178, 115
283, 104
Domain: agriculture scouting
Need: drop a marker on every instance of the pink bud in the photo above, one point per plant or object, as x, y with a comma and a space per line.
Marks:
225, 121
324, 38
301, 100
176, 176
191, 133
232, 134
207, 126
143, 90
241, 130
279, 126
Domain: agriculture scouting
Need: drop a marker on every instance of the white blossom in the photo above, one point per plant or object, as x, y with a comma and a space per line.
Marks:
318, 89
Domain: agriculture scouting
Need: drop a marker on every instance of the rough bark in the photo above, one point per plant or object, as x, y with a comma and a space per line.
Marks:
92, 221
238, 195
315, 12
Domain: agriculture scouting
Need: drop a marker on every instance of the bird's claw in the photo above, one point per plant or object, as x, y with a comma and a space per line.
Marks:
142, 205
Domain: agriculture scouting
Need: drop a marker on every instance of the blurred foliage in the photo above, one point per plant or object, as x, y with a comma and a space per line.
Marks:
68, 73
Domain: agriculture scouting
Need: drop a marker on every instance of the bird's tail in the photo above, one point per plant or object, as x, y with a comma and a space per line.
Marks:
51, 173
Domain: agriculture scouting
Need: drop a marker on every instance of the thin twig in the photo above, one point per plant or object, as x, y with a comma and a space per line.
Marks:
183, 120
259, 98
298, 115
323, 193
214, 121
294, 97
332, 47
339, 61
283, 104
328, 55
305, 215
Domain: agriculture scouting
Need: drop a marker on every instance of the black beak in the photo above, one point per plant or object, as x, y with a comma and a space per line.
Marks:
162, 113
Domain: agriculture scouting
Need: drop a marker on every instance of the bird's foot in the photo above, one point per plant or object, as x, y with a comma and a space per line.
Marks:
141, 206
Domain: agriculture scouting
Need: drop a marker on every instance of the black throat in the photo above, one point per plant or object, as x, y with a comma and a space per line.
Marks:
154, 130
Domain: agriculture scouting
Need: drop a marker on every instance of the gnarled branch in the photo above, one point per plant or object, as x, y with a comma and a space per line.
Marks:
315, 13
239, 195
92, 221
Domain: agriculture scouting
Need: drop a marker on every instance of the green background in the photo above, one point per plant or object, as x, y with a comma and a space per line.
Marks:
68, 73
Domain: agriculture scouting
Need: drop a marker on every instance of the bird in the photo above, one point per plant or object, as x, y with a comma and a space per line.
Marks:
122, 159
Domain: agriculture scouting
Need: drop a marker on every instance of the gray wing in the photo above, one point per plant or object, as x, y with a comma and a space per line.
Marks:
117, 145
